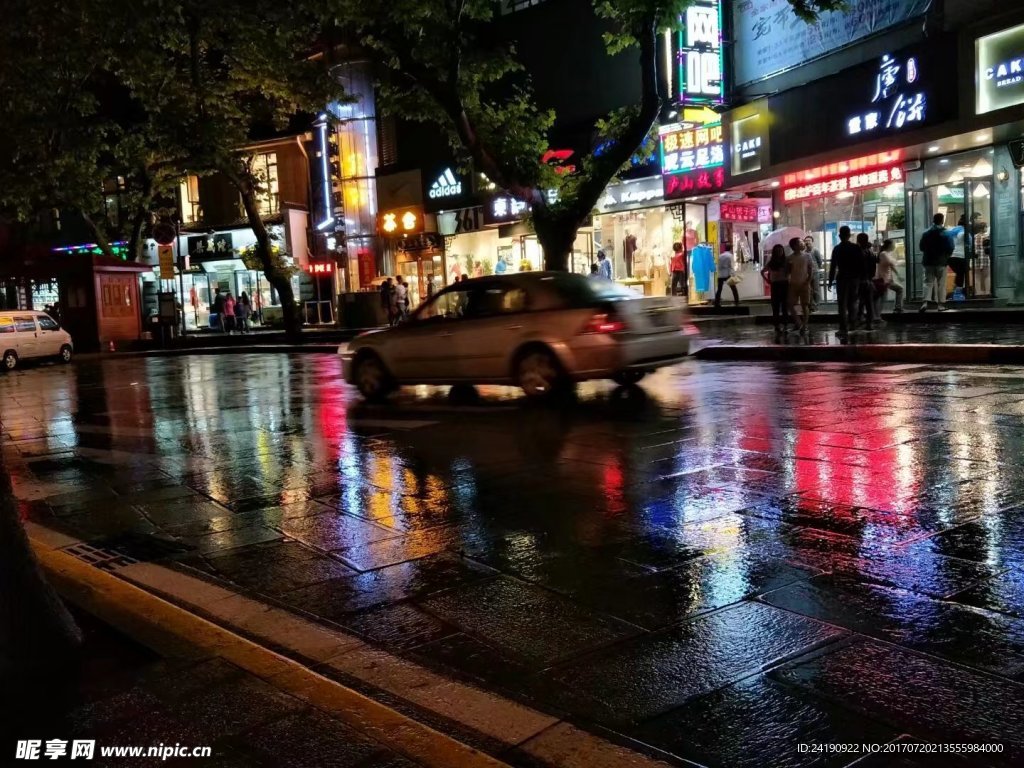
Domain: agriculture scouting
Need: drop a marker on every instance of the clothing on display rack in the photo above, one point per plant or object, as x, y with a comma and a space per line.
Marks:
628, 249
702, 264
755, 248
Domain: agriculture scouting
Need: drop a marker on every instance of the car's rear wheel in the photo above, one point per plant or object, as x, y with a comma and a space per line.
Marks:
10, 360
540, 374
66, 353
372, 378
628, 378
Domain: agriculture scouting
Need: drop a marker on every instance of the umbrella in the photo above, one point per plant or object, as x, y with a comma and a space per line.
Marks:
781, 237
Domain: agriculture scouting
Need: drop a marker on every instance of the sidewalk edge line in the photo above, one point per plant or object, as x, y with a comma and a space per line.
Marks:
157, 622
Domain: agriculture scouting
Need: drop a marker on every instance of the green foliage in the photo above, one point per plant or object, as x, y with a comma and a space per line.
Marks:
445, 62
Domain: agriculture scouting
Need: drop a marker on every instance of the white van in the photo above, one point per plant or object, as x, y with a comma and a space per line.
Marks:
26, 334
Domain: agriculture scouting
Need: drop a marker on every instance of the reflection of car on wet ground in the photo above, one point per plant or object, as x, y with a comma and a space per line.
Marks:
539, 330
25, 334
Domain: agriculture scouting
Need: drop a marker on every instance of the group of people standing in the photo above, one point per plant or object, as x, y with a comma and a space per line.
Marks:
862, 279
232, 314
394, 299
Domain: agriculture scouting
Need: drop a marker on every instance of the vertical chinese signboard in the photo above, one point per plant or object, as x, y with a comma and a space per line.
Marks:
692, 159
699, 75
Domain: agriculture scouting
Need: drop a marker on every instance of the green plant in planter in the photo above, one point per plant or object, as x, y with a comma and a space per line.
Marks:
898, 218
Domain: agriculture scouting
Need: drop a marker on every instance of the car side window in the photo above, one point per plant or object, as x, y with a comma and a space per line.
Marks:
448, 305
497, 300
6, 325
47, 323
25, 324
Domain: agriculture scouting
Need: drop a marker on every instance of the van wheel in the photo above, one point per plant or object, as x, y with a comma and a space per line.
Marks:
372, 379
540, 374
66, 353
10, 360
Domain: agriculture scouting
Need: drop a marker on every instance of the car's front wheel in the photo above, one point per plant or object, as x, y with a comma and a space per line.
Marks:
540, 374
10, 360
372, 378
628, 378
66, 353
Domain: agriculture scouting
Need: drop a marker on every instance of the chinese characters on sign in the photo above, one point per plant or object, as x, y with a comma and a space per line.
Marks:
895, 98
699, 73
404, 221
842, 168
692, 159
502, 208
852, 182
744, 213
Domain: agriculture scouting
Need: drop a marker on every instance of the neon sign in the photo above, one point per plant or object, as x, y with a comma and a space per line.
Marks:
692, 159
700, 77
445, 185
894, 104
320, 268
1000, 70
842, 168
852, 182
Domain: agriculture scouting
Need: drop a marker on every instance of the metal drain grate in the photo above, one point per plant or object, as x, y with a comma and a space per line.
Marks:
101, 557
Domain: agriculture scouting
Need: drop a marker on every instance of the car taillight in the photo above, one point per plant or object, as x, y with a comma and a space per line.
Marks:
688, 328
604, 322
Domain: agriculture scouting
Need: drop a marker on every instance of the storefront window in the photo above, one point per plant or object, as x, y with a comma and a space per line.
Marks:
960, 187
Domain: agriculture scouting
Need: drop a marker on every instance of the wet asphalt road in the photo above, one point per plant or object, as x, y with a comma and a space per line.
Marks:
748, 558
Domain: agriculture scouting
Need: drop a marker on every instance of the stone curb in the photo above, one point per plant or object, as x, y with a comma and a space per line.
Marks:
172, 630
925, 354
180, 615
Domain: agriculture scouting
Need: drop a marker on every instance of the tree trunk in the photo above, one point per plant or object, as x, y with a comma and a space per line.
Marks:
36, 630
100, 236
556, 233
281, 281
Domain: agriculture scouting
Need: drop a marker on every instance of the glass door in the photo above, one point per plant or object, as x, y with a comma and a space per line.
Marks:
976, 276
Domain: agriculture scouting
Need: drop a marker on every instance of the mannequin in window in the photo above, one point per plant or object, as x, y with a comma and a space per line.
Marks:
690, 237
628, 249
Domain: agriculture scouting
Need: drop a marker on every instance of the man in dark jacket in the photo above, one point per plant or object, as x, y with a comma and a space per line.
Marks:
218, 309
845, 273
936, 248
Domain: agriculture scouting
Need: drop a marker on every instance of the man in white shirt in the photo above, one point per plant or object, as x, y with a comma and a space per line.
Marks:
800, 267
886, 272
401, 298
726, 269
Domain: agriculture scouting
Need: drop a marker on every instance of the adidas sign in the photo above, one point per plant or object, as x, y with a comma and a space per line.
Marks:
446, 185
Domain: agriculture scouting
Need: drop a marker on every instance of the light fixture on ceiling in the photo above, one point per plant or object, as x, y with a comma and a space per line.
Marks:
982, 168
775, 184
776, 214
934, 148
944, 161
981, 139
943, 191
981, 191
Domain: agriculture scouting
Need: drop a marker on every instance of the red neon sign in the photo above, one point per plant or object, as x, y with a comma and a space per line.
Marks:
320, 267
738, 212
843, 168
853, 182
694, 183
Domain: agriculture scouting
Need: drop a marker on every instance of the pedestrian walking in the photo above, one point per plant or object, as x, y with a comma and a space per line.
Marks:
818, 283
774, 273
887, 279
936, 248
387, 300
844, 273
726, 271
218, 309
229, 313
604, 267
401, 298
677, 266
866, 294
800, 270
243, 311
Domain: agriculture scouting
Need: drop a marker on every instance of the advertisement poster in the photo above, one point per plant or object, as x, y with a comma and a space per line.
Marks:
770, 38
